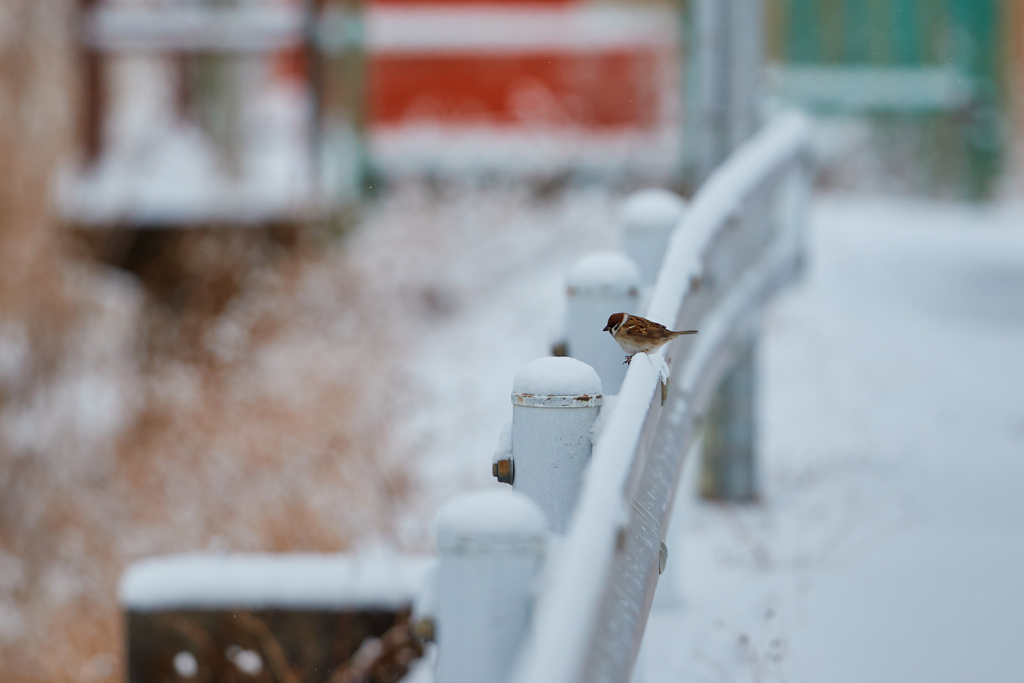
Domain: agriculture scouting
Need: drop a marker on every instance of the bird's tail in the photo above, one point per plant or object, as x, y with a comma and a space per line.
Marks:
680, 333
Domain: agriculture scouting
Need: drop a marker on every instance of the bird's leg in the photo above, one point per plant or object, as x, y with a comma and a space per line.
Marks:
628, 358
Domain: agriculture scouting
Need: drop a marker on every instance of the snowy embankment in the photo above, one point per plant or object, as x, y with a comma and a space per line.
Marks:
890, 540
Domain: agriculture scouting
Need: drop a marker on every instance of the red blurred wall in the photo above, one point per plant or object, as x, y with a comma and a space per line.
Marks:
607, 89
607, 84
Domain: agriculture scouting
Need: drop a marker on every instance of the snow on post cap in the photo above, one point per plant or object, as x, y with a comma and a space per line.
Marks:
604, 272
504, 449
491, 520
653, 210
556, 382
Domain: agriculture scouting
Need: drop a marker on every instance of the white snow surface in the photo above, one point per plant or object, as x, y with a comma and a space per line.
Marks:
554, 376
503, 450
536, 147
513, 29
497, 510
185, 664
261, 580
652, 210
607, 402
604, 272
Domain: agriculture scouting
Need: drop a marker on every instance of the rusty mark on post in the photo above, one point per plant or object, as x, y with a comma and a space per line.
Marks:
556, 401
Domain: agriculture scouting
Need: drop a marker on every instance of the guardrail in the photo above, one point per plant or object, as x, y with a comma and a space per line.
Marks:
739, 244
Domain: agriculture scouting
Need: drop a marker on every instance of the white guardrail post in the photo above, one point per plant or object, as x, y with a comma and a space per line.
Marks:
492, 545
729, 63
597, 286
729, 467
554, 404
730, 66
648, 218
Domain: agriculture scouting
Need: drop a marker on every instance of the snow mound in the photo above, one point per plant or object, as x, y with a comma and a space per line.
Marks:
504, 449
300, 580
557, 376
602, 418
604, 272
652, 210
495, 511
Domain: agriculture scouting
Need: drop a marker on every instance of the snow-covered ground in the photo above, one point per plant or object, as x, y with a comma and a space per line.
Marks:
889, 544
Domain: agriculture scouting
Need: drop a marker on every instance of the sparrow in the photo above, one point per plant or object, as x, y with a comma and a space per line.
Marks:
639, 335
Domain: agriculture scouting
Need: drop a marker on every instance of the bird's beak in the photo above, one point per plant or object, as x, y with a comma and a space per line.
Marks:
606, 328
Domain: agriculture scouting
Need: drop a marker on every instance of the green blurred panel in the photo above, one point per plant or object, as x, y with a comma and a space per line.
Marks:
976, 25
856, 33
803, 37
906, 33
912, 63
833, 27
893, 32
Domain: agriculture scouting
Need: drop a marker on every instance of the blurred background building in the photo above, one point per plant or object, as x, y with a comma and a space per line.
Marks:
283, 111
931, 80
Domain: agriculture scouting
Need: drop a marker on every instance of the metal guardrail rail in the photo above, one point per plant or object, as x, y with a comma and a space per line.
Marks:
739, 245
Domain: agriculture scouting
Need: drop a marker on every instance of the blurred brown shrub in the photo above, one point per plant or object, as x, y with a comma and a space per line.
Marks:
271, 433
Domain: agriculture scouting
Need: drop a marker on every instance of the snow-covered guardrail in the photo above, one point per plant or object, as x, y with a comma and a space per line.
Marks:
739, 243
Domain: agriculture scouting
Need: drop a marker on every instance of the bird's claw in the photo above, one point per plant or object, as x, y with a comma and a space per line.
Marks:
628, 358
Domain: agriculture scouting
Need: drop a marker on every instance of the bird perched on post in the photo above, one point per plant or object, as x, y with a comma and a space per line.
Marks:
639, 335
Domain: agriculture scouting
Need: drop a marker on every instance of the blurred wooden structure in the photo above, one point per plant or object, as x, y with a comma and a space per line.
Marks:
546, 77
271, 618
208, 45
935, 65
279, 645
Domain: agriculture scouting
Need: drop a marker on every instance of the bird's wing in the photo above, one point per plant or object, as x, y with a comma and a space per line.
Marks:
647, 329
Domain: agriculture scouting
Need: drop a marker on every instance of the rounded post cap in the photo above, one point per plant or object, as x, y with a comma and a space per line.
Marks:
491, 520
556, 382
652, 210
604, 272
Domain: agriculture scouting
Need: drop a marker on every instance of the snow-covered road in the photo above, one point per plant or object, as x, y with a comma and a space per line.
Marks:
890, 542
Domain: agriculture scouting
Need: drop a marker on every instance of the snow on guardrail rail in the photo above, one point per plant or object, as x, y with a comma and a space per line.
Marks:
718, 273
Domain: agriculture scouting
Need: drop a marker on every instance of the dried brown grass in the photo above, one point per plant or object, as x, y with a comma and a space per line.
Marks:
129, 428
279, 443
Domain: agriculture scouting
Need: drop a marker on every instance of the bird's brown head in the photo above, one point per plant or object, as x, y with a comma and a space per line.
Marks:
615, 321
